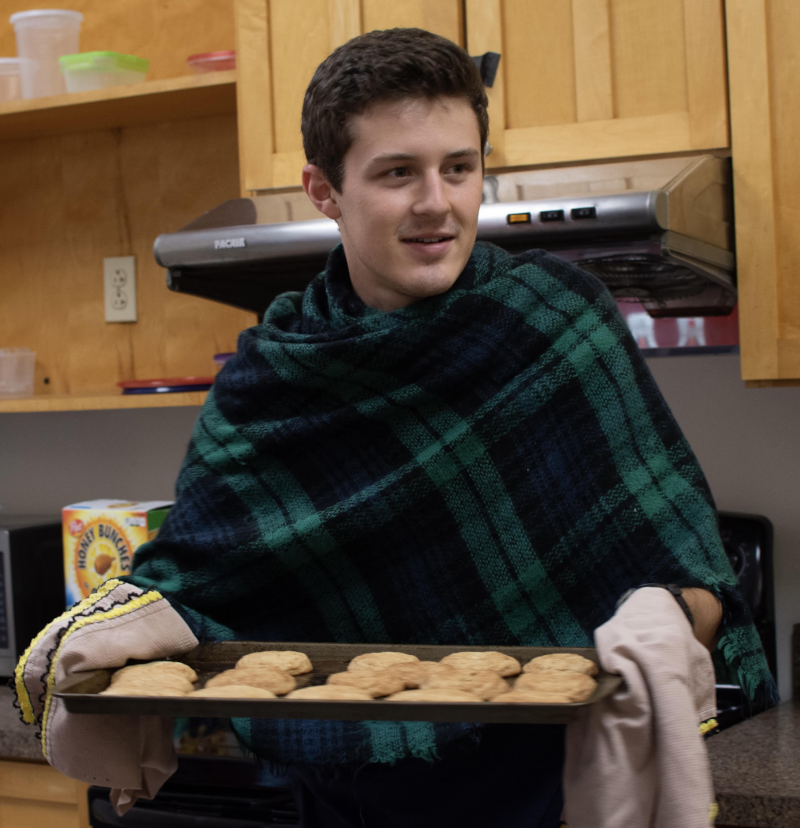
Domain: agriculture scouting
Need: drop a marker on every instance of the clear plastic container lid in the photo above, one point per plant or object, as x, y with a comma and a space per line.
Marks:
103, 62
210, 57
46, 17
9, 66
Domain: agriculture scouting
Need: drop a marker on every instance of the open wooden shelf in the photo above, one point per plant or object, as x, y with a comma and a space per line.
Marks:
193, 96
99, 401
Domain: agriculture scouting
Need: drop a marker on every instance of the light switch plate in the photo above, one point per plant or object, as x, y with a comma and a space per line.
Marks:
119, 283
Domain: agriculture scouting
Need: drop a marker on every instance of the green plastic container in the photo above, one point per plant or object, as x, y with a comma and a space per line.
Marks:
98, 70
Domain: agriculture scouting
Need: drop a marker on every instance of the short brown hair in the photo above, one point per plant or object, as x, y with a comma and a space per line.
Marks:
382, 66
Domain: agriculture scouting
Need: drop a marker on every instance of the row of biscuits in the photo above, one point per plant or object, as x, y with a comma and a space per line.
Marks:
257, 675
477, 676
557, 678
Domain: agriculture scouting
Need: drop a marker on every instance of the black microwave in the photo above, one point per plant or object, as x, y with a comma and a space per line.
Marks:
31, 582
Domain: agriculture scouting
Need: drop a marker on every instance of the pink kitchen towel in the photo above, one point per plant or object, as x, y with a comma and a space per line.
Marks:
636, 759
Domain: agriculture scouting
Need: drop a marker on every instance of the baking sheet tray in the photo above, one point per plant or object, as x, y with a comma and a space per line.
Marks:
79, 694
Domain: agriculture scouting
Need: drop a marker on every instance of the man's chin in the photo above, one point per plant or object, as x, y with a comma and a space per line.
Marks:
430, 282
431, 278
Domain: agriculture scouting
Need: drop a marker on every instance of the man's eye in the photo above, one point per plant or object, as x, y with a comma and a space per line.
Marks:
398, 172
459, 169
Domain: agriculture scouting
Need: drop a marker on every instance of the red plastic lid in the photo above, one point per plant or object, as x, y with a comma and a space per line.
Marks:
171, 381
211, 56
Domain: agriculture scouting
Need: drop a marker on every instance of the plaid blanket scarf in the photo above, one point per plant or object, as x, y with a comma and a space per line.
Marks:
491, 466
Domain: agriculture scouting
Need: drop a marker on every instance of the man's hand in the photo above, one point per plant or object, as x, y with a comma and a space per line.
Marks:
707, 612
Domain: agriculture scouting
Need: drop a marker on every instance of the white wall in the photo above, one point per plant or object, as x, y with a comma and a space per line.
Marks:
50, 460
747, 440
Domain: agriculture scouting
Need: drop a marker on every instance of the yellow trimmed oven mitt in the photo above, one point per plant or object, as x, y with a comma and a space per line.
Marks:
133, 755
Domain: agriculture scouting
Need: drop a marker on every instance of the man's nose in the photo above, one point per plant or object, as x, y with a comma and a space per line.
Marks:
432, 196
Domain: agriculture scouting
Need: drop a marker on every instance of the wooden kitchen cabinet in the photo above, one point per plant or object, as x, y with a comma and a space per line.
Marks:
34, 795
764, 59
589, 79
279, 49
579, 79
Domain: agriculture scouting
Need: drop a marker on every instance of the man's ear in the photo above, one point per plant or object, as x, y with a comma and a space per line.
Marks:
320, 191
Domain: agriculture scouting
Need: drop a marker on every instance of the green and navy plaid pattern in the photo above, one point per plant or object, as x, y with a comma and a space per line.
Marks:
491, 466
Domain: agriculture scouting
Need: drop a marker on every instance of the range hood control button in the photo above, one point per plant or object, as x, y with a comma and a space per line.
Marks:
583, 212
518, 218
551, 215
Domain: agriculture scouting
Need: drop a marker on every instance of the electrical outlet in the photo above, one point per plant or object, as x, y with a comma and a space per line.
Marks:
119, 283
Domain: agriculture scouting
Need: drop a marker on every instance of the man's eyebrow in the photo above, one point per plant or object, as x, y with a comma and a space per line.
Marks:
465, 152
393, 156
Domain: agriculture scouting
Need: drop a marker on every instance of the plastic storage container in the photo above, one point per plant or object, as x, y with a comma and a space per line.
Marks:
16, 372
10, 89
212, 62
43, 35
97, 70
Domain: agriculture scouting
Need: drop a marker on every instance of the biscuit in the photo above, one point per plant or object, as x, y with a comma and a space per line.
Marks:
374, 682
434, 696
531, 697
482, 683
563, 662
377, 661
156, 668
413, 673
500, 663
233, 691
149, 689
289, 661
267, 678
576, 686
150, 684
330, 691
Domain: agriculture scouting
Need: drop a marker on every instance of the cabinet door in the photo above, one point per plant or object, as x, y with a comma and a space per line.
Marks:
34, 795
588, 79
764, 57
279, 45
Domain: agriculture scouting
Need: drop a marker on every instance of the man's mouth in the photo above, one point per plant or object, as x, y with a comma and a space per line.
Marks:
428, 239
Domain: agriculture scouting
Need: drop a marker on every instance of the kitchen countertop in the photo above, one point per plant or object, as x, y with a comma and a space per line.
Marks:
17, 740
756, 770
755, 764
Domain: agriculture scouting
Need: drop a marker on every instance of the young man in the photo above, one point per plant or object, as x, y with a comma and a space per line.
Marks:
436, 443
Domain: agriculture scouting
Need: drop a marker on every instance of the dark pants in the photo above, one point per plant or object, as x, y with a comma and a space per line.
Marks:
512, 779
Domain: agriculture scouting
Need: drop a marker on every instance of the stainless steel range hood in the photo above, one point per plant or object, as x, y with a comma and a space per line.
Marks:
658, 232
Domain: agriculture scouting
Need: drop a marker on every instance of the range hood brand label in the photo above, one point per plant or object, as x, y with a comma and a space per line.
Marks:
221, 244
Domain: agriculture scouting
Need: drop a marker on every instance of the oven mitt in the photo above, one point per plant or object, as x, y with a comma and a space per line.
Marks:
133, 755
636, 758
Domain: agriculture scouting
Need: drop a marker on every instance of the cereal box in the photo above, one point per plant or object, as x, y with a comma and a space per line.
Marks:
101, 537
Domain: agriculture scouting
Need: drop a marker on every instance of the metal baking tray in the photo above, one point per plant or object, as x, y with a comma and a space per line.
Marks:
79, 693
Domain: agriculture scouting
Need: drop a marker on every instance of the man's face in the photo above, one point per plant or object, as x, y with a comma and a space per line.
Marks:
408, 210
